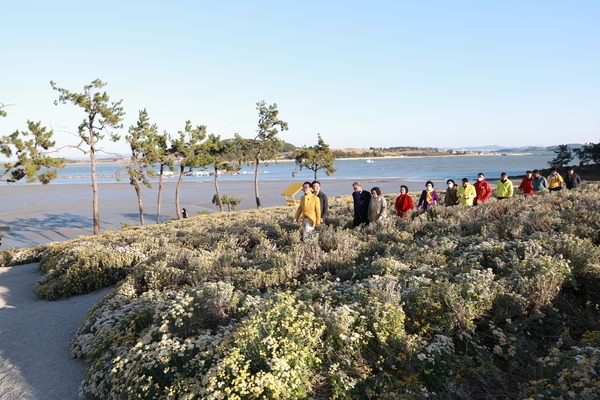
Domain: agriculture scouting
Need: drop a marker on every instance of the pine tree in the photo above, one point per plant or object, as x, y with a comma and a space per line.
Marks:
563, 157
266, 143
315, 158
101, 115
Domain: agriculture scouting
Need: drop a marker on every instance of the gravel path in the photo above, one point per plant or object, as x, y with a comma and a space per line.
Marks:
35, 336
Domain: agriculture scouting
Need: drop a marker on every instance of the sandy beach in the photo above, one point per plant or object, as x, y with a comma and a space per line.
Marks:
38, 214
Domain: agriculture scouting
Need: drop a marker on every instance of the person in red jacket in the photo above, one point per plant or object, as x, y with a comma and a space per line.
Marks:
404, 203
483, 190
526, 185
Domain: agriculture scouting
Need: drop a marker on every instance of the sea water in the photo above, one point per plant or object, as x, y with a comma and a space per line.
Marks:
418, 169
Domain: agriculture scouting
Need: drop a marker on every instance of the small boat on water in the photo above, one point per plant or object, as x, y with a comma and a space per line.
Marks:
369, 161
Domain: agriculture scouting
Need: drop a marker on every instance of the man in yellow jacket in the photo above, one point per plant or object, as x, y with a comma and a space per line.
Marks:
309, 209
466, 193
505, 189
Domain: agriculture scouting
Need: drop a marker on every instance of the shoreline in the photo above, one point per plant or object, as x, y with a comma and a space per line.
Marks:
37, 214
125, 160
33, 214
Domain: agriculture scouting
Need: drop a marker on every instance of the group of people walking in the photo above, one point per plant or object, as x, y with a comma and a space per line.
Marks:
372, 206
313, 208
535, 183
481, 191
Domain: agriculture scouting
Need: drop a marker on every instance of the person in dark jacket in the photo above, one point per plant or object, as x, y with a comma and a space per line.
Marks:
572, 180
323, 197
361, 198
184, 213
451, 198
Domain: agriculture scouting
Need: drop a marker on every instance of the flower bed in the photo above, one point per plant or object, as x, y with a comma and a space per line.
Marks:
496, 301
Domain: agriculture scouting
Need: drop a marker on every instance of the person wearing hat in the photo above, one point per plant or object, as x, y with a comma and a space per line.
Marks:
466, 193
572, 180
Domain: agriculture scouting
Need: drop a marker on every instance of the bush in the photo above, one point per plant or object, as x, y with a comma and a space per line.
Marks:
500, 300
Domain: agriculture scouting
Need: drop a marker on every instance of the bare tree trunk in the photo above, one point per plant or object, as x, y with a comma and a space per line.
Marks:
181, 170
160, 177
315, 175
256, 184
138, 192
95, 213
217, 189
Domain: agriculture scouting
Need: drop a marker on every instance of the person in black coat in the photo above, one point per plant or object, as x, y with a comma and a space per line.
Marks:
572, 179
362, 199
323, 197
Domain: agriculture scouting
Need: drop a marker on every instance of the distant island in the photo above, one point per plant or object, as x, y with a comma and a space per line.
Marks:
406, 151
375, 152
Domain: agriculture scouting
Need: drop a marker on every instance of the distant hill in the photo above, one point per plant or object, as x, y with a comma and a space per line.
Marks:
504, 149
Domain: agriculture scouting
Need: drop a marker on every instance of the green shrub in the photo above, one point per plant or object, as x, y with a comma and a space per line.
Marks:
272, 354
500, 300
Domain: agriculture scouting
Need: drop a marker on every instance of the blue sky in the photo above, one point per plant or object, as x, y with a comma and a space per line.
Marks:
382, 74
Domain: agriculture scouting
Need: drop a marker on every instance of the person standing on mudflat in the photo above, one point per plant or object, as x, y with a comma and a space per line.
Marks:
362, 199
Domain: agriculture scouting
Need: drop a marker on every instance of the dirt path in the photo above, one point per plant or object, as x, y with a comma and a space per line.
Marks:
35, 336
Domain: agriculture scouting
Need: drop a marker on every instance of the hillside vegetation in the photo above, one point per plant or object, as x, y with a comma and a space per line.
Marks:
496, 301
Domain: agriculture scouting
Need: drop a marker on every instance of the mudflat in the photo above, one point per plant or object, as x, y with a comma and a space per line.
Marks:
33, 214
